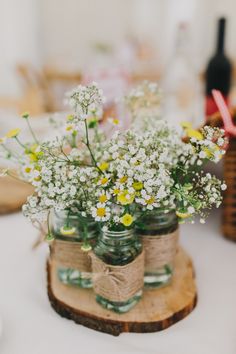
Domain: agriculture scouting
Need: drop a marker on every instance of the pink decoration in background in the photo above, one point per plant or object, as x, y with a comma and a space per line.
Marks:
230, 128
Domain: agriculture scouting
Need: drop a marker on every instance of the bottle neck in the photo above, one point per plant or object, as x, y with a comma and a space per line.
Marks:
118, 238
221, 36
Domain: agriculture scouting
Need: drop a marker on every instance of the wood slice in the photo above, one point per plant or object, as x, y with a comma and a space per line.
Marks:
158, 309
13, 194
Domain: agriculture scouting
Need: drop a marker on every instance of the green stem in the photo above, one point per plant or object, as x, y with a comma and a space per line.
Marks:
22, 145
9, 151
89, 148
68, 219
31, 131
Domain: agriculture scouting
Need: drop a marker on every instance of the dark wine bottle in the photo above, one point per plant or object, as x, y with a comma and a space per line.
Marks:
218, 73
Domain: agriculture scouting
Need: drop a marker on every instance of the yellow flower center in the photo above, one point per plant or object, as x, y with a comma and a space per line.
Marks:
127, 220
27, 169
101, 212
104, 180
151, 200
102, 198
116, 121
116, 191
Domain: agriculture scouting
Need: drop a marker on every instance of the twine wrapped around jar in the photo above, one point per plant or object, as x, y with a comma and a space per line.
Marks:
68, 254
117, 283
159, 250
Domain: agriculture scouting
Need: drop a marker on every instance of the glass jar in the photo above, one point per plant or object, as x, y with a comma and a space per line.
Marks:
118, 251
159, 234
74, 237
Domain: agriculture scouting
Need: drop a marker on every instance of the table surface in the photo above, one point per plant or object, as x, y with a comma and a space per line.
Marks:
30, 325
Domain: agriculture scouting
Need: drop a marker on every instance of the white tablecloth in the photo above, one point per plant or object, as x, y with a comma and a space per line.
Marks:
30, 325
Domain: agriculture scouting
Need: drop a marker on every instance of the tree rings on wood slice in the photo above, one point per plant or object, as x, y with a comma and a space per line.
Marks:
157, 310
13, 194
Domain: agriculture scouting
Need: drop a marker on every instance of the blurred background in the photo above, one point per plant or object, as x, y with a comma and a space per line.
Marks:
49, 46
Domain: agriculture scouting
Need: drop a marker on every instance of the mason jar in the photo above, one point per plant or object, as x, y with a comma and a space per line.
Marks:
74, 237
158, 231
118, 269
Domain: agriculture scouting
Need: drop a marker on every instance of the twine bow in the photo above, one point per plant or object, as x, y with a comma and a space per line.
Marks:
117, 283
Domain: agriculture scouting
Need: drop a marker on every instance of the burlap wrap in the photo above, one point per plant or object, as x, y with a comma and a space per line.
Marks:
159, 250
68, 254
117, 283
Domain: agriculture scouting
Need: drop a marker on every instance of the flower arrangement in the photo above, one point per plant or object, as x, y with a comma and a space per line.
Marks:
115, 180
84, 179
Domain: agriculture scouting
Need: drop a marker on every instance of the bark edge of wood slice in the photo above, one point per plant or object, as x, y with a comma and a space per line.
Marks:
157, 310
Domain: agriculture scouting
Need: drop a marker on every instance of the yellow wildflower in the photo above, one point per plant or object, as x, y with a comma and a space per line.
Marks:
69, 128
127, 219
104, 166
33, 157
13, 133
192, 133
138, 186
186, 124
208, 152
125, 198
70, 117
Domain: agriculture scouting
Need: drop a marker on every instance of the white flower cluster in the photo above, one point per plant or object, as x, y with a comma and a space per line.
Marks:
136, 173
201, 193
61, 182
113, 180
211, 145
86, 101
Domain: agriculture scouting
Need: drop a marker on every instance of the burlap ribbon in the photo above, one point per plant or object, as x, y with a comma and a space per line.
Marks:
117, 283
159, 250
68, 254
